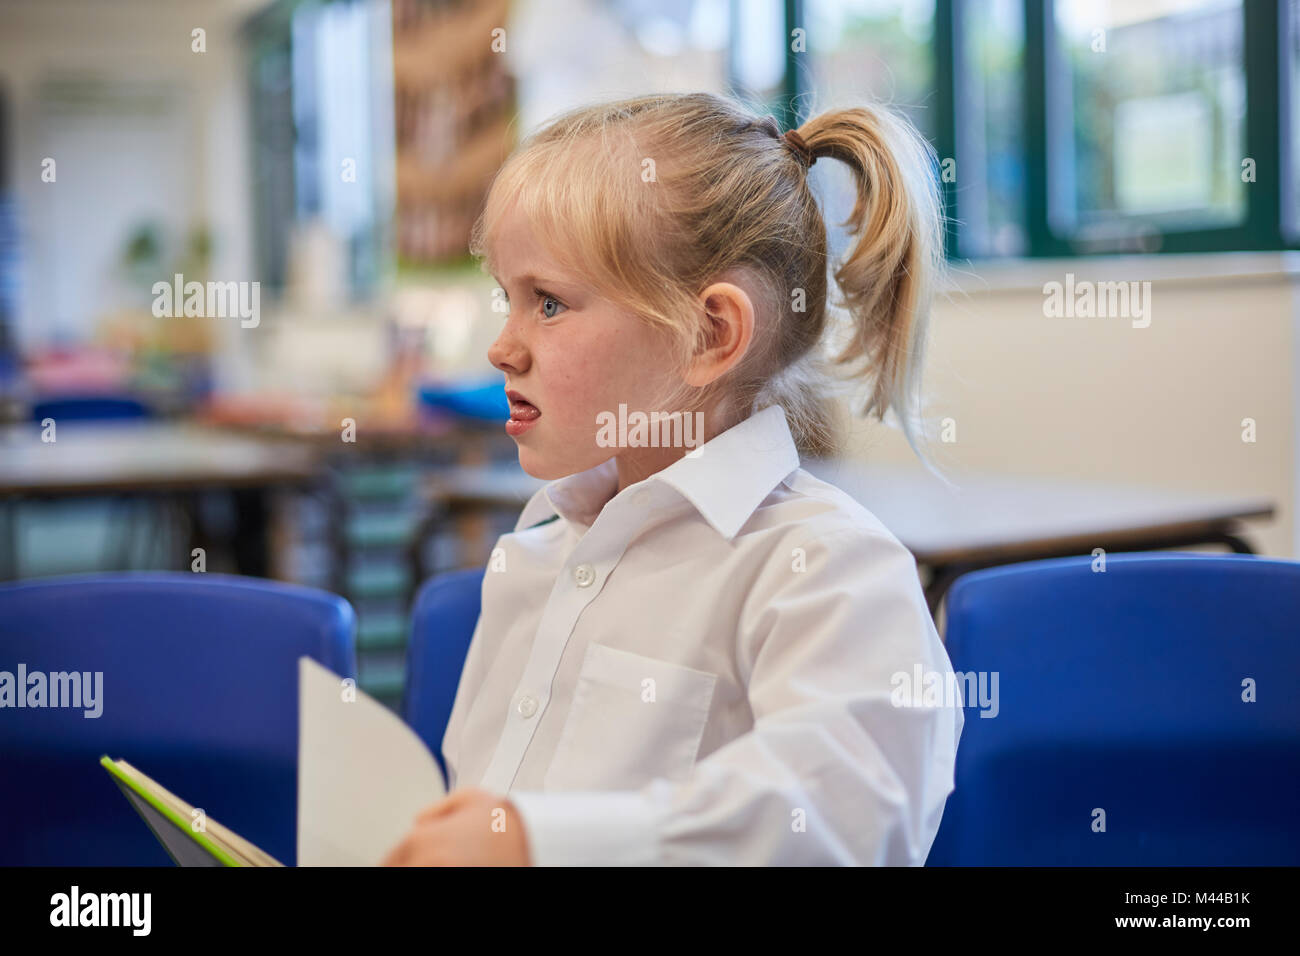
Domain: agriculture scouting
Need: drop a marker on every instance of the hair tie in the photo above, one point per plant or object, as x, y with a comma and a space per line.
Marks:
801, 148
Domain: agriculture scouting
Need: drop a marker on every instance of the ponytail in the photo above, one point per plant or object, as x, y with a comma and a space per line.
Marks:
888, 277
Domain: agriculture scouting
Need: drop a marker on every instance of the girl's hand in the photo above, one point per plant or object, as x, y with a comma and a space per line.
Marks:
470, 827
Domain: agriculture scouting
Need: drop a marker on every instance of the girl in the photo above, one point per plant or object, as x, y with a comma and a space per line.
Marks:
690, 650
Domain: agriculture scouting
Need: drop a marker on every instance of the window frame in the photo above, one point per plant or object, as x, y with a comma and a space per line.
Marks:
1270, 200
1262, 60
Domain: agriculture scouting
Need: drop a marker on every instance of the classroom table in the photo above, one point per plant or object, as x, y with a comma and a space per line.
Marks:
993, 519
984, 521
380, 432
150, 459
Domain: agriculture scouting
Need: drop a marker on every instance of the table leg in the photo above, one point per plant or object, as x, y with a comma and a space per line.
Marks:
941, 578
1237, 543
421, 534
9, 538
252, 537
943, 575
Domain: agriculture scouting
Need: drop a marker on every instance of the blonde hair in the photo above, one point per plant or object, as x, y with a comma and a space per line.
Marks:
653, 198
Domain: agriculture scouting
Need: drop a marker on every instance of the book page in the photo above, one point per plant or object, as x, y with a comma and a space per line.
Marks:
363, 774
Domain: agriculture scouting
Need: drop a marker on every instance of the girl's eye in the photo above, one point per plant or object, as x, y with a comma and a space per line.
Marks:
551, 301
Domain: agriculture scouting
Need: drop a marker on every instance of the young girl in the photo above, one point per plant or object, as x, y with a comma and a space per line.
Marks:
690, 650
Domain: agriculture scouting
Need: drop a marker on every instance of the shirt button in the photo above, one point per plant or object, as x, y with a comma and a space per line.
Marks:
527, 706
583, 575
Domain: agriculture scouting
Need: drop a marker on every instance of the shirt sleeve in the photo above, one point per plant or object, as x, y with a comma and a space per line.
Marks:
849, 761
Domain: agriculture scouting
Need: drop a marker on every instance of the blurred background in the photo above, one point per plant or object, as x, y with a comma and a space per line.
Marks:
347, 434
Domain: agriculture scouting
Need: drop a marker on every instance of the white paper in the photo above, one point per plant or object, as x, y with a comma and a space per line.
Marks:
363, 775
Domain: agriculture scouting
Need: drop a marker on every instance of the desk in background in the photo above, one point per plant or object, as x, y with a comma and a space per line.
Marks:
167, 461
989, 520
986, 520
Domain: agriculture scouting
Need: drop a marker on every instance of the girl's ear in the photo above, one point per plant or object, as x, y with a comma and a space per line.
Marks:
728, 317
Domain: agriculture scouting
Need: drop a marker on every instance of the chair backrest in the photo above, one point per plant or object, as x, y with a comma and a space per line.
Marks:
1156, 697
199, 690
89, 407
442, 624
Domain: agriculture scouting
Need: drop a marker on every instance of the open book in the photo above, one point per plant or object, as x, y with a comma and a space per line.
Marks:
363, 775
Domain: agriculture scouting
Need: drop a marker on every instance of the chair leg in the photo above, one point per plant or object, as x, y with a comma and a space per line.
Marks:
9, 513
120, 538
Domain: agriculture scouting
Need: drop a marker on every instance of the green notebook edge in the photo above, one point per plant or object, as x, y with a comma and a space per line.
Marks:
184, 825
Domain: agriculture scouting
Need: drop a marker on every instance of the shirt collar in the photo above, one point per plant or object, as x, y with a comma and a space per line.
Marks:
725, 479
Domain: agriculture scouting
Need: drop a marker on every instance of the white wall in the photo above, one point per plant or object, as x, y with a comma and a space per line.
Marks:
1099, 399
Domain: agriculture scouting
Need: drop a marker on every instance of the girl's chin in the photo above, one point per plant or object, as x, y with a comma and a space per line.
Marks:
541, 466
548, 467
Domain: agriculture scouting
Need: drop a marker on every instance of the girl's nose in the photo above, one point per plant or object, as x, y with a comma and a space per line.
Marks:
508, 353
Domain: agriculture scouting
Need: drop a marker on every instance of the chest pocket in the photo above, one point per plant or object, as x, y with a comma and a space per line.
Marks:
633, 718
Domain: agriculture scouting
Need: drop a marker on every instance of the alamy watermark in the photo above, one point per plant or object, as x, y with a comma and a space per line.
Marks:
213, 300
1085, 299
626, 429
130, 910
925, 688
83, 689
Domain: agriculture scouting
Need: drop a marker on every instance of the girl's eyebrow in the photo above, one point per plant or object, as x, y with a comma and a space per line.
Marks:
534, 279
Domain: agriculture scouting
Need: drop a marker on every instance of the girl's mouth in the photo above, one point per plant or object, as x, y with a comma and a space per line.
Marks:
523, 416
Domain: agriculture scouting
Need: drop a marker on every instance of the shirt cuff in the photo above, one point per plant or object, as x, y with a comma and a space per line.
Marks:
588, 827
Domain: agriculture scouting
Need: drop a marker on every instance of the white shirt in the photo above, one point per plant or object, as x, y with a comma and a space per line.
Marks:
705, 670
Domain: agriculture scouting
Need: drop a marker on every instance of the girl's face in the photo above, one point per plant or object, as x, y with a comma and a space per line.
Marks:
568, 356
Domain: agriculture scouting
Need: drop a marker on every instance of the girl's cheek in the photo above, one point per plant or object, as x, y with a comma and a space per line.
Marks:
581, 378
586, 376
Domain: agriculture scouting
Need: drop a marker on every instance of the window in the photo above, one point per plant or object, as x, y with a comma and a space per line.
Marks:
986, 189
1146, 120
320, 78
877, 51
1081, 126
1154, 126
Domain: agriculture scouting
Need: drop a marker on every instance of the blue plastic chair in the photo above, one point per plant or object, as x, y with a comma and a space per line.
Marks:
442, 625
90, 408
199, 691
1122, 691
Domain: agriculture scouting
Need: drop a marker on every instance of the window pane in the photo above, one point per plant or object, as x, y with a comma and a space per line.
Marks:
1148, 127
872, 51
757, 54
990, 173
